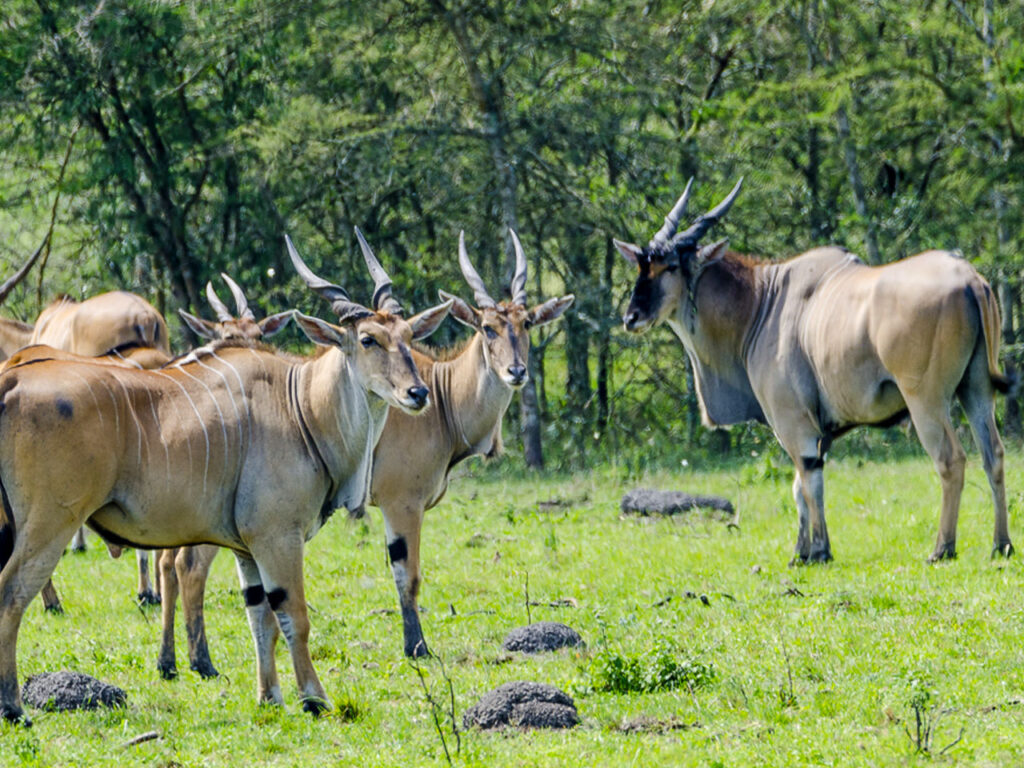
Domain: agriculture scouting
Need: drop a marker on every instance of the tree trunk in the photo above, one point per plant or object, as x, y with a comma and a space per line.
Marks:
1007, 298
860, 200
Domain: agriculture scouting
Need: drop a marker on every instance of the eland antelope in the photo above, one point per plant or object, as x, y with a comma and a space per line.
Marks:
822, 343
472, 388
231, 445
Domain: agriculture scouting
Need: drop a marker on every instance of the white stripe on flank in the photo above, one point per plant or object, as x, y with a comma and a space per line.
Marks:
135, 417
117, 415
241, 389
88, 386
160, 435
227, 387
202, 425
220, 415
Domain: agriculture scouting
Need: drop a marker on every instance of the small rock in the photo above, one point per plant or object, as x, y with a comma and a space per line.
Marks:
525, 705
64, 690
542, 636
646, 501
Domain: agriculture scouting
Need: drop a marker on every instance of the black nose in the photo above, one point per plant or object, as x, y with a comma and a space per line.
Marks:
418, 395
517, 372
630, 319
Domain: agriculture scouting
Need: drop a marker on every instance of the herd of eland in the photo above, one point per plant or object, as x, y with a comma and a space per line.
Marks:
239, 445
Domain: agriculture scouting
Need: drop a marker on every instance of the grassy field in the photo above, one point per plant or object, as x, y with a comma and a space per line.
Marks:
827, 665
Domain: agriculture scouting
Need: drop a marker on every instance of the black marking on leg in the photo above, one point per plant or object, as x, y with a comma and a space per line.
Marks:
276, 597
64, 408
397, 550
812, 463
253, 595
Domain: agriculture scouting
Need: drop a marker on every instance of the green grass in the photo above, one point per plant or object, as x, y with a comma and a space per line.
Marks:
811, 666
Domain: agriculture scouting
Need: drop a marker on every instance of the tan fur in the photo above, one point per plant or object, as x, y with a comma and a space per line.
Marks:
238, 448
471, 386
821, 343
92, 328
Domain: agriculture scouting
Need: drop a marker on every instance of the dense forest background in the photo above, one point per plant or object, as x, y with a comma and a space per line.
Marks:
150, 145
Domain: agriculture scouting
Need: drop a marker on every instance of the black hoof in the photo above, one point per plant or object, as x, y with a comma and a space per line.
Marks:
824, 556
315, 707
167, 671
945, 554
16, 716
78, 549
148, 598
1002, 550
798, 561
205, 669
56, 609
417, 651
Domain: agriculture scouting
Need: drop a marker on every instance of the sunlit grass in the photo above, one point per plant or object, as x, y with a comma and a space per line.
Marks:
811, 666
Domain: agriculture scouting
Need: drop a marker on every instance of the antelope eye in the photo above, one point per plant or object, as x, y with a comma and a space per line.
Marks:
490, 333
672, 268
367, 341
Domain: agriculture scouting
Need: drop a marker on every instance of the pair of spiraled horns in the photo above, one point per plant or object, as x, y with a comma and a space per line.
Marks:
382, 298
343, 306
700, 225
480, 295
223, 315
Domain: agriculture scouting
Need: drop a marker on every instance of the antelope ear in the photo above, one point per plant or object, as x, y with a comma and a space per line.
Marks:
461, 311
322, 332
201, 327
550, 310
274, 323
709, 254
630, 251
427, 321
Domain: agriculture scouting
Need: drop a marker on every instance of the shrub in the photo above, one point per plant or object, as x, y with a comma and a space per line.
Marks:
655, 670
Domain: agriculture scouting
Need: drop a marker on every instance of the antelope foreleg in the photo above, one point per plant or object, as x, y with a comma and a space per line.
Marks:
280, 567
403, 541
264, 630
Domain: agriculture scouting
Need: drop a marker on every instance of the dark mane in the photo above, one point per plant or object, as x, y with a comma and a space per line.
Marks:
743, 259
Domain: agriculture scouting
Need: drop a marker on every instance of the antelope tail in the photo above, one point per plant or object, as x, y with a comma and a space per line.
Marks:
988, 311
6, 528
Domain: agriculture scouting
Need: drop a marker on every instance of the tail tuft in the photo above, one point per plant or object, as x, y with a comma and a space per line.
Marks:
1006, 384
6, 531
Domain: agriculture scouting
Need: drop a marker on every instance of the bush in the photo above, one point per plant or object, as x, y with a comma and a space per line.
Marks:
655, 670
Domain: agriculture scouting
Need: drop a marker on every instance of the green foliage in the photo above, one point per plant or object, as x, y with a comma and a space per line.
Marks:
811, 666
658, 669
205, 132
